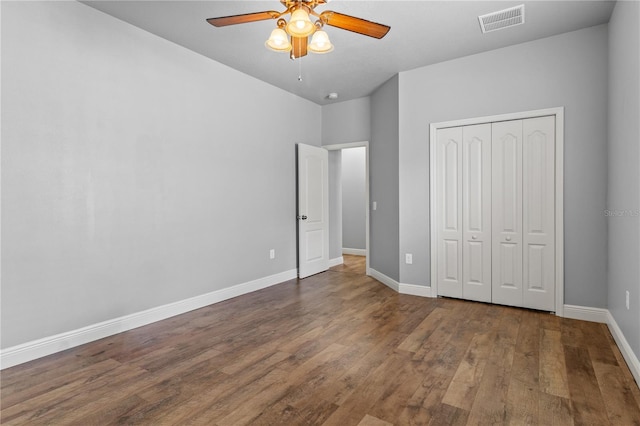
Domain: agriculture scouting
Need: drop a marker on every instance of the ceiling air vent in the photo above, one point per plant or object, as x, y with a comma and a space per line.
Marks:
502, 19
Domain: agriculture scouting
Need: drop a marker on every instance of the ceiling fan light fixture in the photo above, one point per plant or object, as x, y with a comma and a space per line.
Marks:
278, 41
320, 43
300, 25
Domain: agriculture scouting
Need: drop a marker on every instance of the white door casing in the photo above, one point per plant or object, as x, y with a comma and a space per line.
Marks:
449, 211
313, 210
476, 212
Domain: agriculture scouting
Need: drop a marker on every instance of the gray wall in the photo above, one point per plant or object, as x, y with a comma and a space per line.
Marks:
342, 122
346, 122
335, 204
383, 174
624, 178
354, 200
567, 70
135, 173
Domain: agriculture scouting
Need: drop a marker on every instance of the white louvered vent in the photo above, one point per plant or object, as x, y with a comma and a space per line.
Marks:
502, 19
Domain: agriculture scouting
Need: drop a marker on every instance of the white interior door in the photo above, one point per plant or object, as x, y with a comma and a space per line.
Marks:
476, 212
538, 212
313, 210
506, 223
449, 211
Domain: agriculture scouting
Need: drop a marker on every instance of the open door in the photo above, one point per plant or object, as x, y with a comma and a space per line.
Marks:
313, 210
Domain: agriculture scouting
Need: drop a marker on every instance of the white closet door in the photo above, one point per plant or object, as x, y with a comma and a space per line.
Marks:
476, 212
506, 223
538, 216
449, 211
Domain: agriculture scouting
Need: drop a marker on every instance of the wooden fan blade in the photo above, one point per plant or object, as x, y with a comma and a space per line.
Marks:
223, 21
357, 25
298, 47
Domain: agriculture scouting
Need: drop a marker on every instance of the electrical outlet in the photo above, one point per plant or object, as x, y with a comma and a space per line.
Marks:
272, 254
408, 258
626, 303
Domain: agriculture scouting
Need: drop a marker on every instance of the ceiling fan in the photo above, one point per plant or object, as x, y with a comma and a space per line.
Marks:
300, 27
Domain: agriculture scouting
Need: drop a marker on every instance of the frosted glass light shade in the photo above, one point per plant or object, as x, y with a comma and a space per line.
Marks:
300, 25
278, 41
320, 43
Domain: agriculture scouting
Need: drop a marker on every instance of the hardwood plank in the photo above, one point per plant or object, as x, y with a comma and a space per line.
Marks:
373, 421
414, 341
490, 403
523, 403
217, 405
59, 404
365, 396
586, 399
309, 410
553, 370
38, 388
425, 402
394, 399
447, 415
571, 333
466, 381
339, 390
554, 410
526, 359
622, 408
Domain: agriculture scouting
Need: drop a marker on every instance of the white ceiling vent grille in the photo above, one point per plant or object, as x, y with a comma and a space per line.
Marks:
502, 19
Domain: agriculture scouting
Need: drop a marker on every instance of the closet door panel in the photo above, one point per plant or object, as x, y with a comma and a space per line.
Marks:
476, 212
506, 217
538, 192
449, 211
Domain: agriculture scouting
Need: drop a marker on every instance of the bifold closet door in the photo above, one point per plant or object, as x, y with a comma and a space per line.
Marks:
538, 213
464, 212
449, 211
476, 212
506, 184
523, 213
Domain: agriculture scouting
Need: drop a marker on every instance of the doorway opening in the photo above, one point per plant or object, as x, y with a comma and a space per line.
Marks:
349, 206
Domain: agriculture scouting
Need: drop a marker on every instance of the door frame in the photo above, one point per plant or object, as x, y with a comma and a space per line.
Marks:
558, 112
365, 144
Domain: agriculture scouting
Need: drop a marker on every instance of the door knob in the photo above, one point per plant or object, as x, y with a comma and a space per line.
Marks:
473, 237
508, 238
303, 217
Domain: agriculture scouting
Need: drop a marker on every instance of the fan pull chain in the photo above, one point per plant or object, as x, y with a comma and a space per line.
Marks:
300, 69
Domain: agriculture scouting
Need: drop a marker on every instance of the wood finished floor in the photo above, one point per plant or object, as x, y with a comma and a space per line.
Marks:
338, 348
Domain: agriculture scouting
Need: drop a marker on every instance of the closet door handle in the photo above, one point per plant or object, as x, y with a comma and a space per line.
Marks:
473, 237
508, 238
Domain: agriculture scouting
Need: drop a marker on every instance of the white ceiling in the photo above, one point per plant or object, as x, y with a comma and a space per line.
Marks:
422, 33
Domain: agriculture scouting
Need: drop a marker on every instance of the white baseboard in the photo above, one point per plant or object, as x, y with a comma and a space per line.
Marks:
46, 346
415, 290
355, 252
336, 261
411, 289
586, 313
625, 349
389, 282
